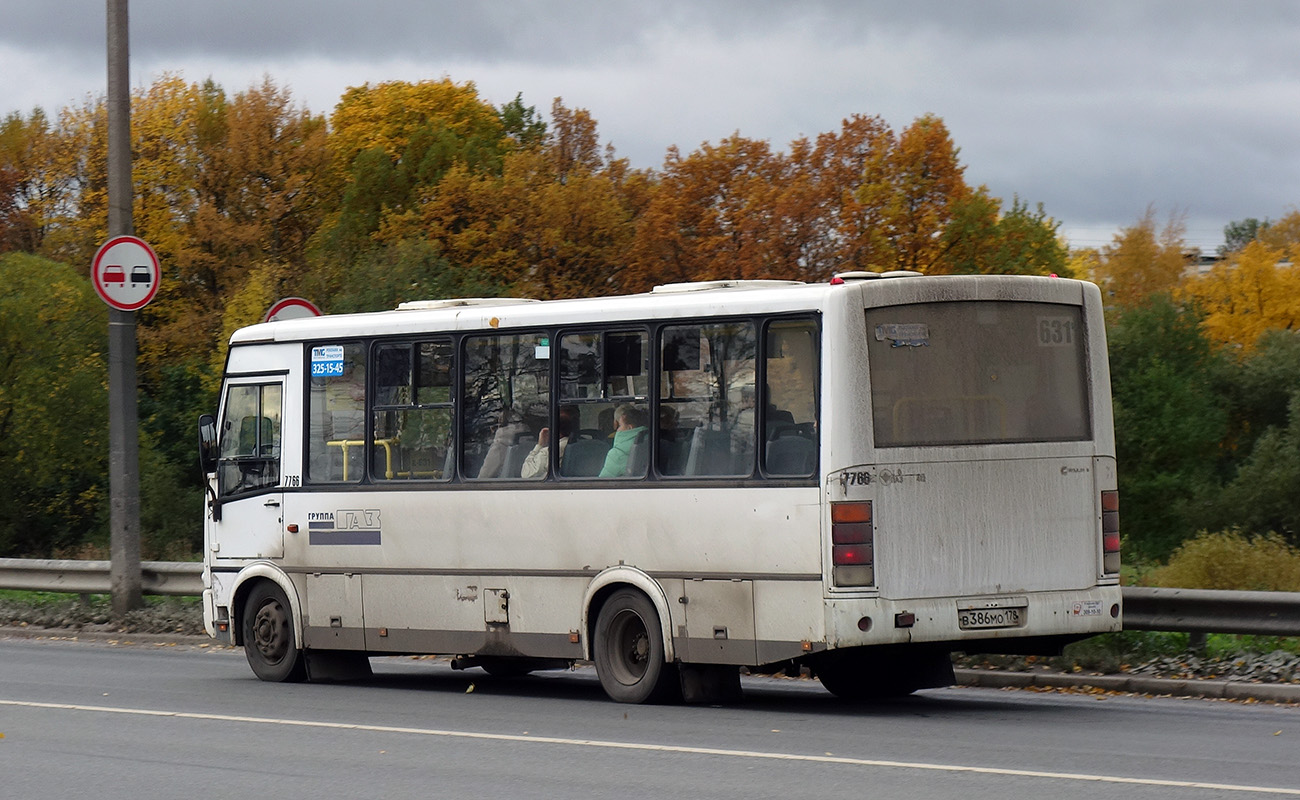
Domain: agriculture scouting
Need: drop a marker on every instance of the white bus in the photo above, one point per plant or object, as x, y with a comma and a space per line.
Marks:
861, 477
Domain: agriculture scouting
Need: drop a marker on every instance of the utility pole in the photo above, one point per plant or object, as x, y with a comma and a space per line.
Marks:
123, 413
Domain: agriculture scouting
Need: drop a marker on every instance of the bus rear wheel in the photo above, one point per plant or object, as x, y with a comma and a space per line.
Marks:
268, 636
629, 650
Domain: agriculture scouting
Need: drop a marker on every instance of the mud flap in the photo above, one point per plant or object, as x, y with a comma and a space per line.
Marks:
709, 683
336, 665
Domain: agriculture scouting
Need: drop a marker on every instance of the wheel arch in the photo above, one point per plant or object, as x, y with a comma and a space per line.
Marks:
611, 580
248, 578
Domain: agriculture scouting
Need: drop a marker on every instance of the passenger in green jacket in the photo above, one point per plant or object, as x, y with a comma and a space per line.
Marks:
629, 425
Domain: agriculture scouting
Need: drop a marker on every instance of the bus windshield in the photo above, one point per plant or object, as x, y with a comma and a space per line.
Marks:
977, 373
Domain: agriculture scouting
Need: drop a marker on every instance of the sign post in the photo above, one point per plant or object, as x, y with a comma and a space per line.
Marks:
123, 412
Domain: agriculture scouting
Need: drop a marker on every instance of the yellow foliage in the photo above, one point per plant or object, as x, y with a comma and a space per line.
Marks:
247, 307
1253, 291
1142, 261
385, 115
1232, 561
1084, 263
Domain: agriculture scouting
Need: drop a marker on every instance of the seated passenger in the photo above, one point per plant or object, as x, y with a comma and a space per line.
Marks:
536, 462
629, 424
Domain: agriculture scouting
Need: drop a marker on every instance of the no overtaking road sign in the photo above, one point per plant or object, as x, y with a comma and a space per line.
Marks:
125, 273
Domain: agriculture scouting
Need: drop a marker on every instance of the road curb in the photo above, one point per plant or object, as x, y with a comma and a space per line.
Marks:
1133, 684
112, 637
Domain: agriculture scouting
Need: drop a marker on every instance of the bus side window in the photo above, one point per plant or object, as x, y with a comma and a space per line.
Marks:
791, 364
336, 413
413, 411
505, 402
604, 378
707, 399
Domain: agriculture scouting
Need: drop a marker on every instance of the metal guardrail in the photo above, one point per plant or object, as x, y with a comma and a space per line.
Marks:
1208, 611
1145, 609
175, 578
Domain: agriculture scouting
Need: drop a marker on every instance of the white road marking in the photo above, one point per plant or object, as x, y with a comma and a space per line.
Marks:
665, 748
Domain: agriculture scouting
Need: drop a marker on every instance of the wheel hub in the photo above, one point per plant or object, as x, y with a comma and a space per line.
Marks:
268, 631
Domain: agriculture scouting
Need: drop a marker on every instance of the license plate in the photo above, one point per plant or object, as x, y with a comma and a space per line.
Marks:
977, 618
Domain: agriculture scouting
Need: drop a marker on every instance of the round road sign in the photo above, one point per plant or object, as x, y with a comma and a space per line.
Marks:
126, 273
292, 308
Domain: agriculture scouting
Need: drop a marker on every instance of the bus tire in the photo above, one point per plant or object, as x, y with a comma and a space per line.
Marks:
268, 636
629, 650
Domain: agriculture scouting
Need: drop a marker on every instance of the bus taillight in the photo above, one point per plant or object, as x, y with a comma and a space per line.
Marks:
852, 540
1110, 532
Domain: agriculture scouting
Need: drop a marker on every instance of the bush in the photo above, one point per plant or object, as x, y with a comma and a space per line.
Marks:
1231, 560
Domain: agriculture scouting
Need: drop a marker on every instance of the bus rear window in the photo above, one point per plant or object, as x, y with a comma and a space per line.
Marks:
977, 372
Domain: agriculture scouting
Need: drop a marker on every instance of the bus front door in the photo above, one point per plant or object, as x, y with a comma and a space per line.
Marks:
250, 523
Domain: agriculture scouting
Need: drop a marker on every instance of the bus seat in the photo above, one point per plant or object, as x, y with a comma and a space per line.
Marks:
710, 453
516, 453
248, 438
584, 458
791, 455
674, 445
638, 458
777, 429
449, 462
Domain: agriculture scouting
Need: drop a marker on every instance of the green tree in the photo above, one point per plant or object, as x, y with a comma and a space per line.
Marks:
54, 425
1262, 497
1166, 381
1239, 233
53, 407
981, 239
1264, 444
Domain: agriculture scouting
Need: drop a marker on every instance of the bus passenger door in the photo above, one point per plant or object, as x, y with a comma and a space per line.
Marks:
250, 523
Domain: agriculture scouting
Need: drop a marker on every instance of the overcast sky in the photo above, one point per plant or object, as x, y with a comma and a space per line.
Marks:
1095, 109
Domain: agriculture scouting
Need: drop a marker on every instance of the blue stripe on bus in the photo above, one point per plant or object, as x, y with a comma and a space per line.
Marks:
344, 537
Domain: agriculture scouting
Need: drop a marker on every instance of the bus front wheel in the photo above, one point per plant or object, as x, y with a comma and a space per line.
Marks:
629, 650
268, 637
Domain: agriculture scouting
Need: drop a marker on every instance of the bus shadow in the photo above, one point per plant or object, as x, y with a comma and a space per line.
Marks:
781, 696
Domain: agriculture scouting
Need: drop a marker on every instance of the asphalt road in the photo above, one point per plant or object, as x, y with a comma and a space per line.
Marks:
145, 721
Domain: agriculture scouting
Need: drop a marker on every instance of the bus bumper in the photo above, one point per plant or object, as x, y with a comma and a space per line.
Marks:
983, 622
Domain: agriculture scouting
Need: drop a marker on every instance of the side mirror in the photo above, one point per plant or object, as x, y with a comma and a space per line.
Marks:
208, 443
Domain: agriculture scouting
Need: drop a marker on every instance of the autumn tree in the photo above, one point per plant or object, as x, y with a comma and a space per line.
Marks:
824, 222
710, 215
1142, 261
392, 144
555, 223
22, 188
42, 185
926, 182
1252, 291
